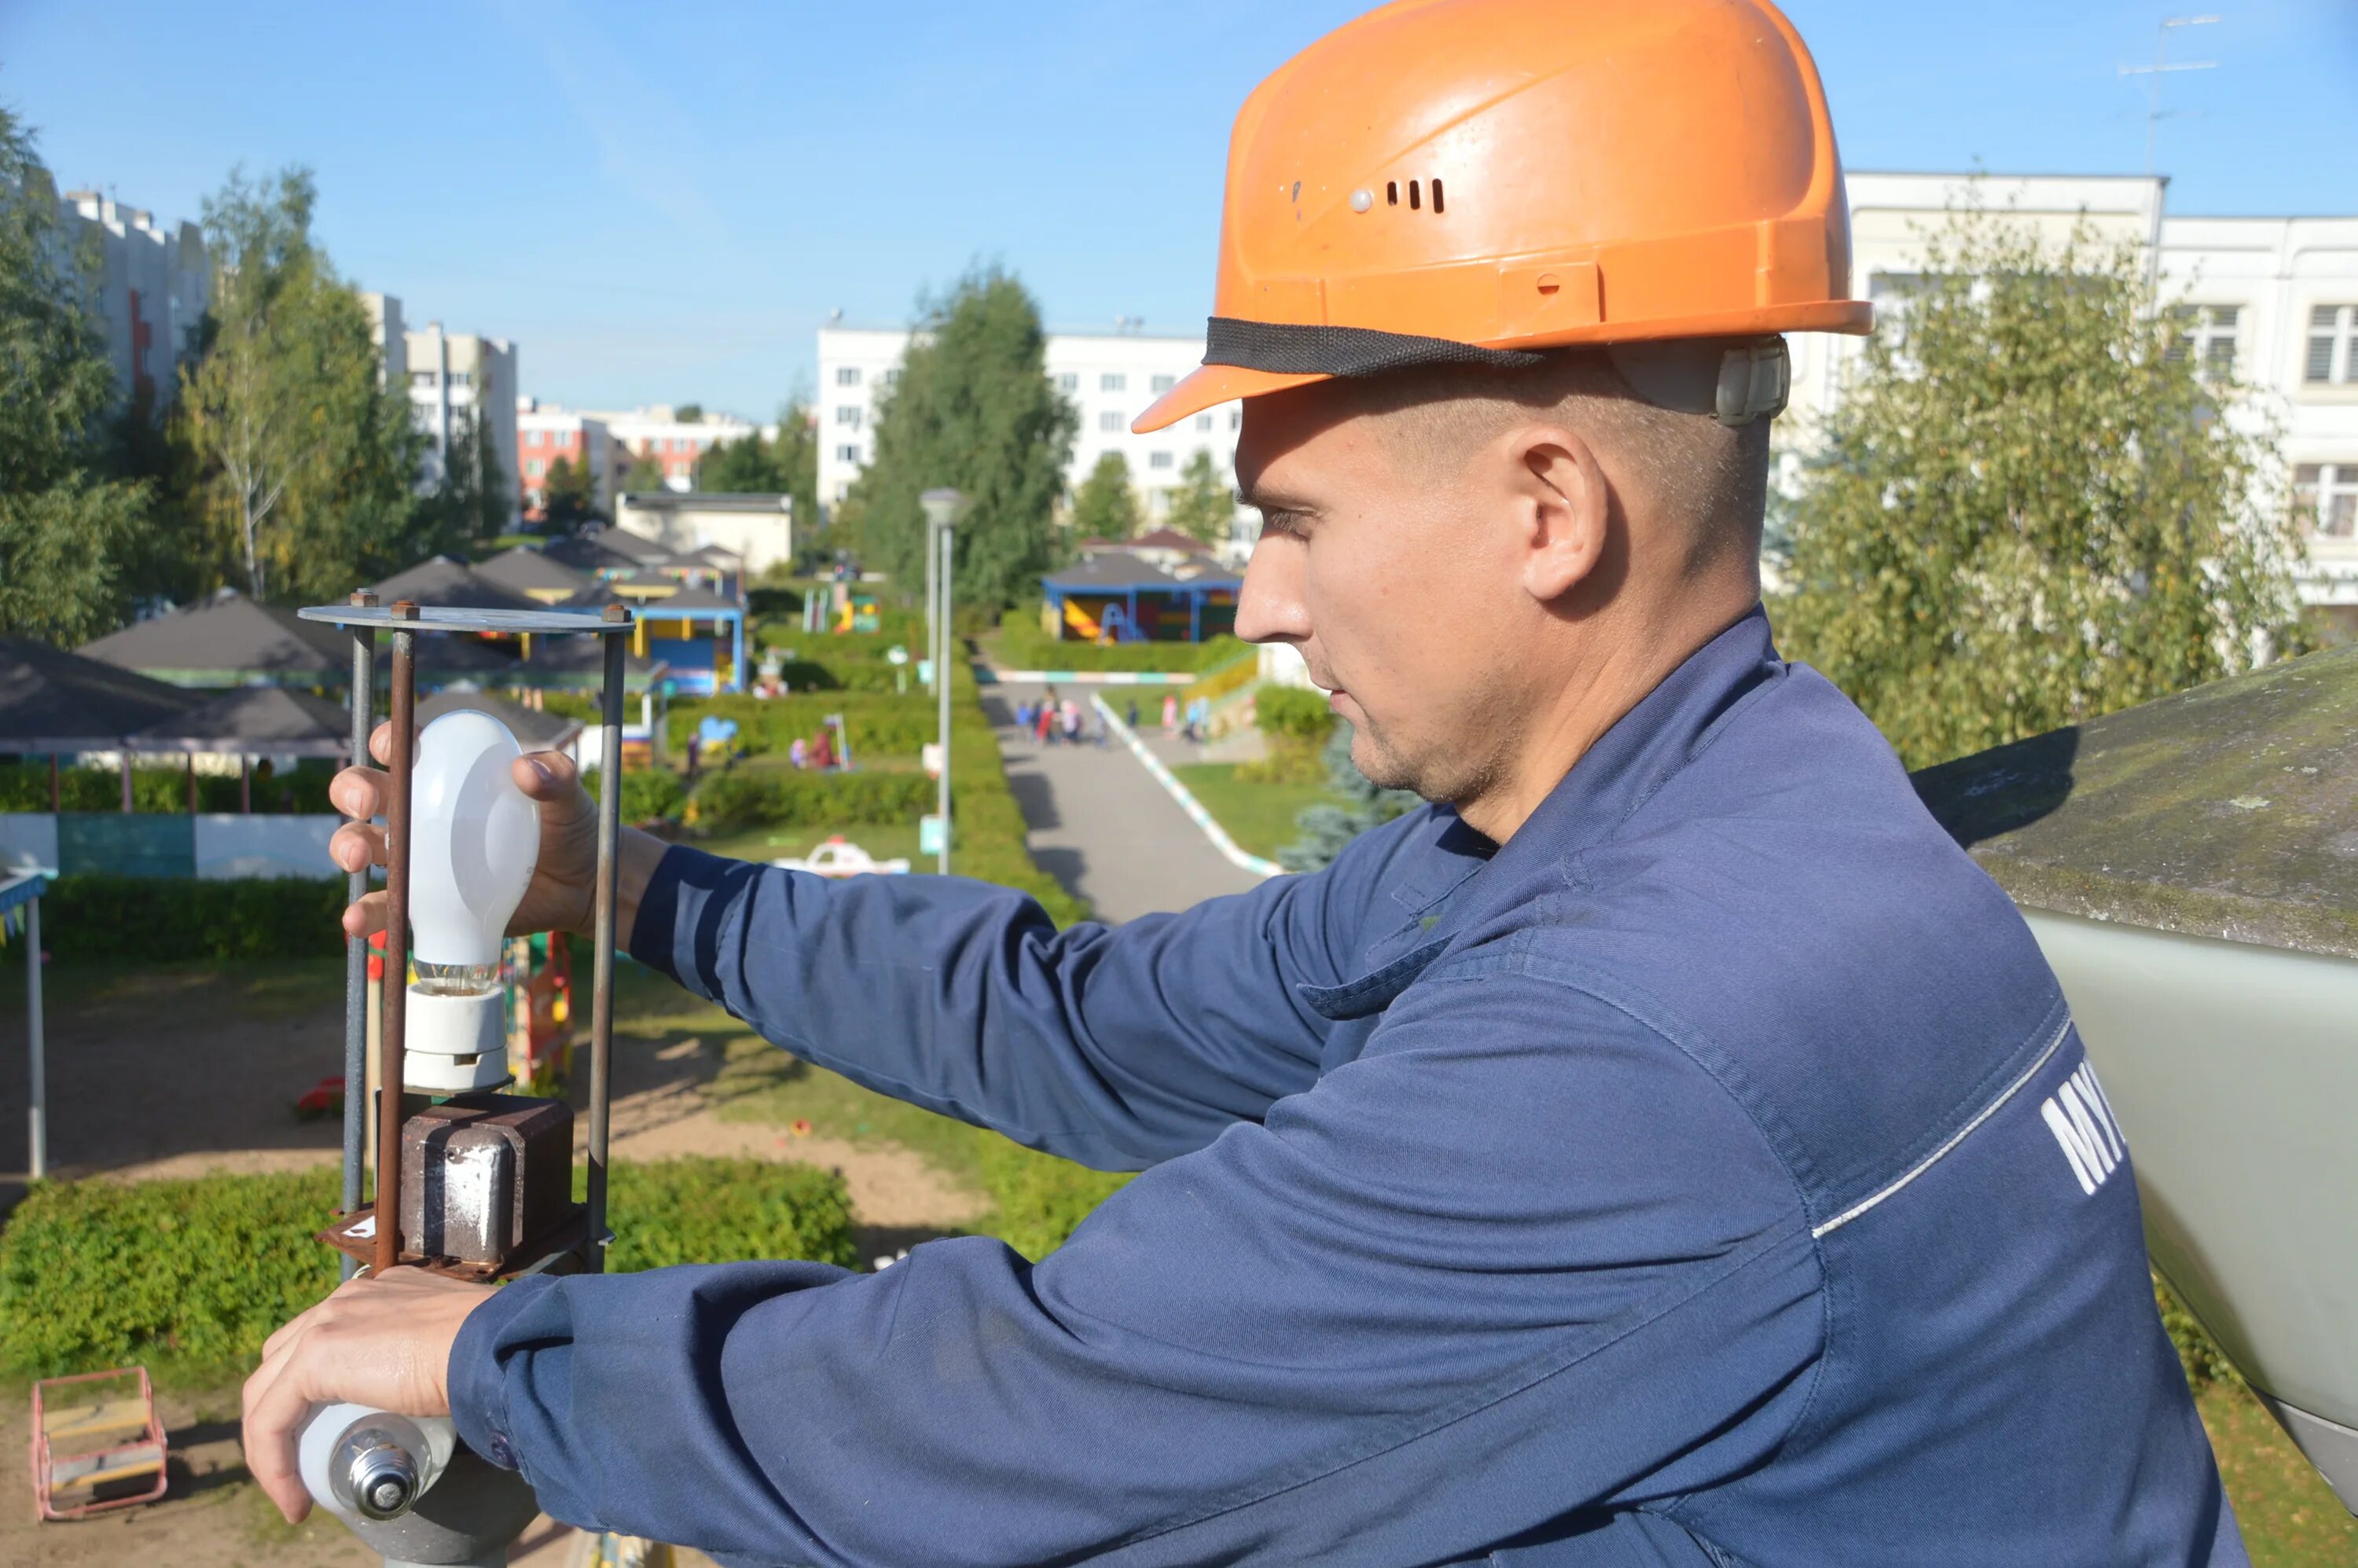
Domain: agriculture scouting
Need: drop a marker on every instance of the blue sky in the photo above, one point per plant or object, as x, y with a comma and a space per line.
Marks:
661, 203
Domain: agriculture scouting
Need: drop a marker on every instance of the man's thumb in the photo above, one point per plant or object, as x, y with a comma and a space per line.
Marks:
547, 775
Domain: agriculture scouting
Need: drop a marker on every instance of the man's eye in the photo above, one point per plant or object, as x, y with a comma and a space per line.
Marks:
1275, 520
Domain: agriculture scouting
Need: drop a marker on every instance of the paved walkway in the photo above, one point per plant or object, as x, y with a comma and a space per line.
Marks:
1101, 826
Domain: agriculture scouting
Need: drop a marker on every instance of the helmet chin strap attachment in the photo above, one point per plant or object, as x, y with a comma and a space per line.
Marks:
1734, 381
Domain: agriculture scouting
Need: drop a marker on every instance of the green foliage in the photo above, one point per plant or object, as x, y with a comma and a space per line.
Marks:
195, 1274
70, 533
1359, 805
1023, 646
974, 410
303, 467
702, 1210
2198, 1353
649, 794
1039, 1198
25, 787
1296, 722
569, 496
742, 798
2027, 513
87, 916
1106, 505
879, 724
690, 414
787, 465
645, 473
1201, 505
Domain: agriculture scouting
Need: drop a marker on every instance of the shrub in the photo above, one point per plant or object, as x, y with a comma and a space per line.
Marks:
2198, 1353
164, 791
1296, 722
1040, 1198
195, 1274
649, 794
146, 920
741, 798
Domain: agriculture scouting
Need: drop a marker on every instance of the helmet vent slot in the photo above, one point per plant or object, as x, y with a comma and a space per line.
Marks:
1436, 193
1413, 203
1391, 193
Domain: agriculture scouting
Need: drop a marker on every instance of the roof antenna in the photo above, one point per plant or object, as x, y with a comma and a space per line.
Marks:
2161, 66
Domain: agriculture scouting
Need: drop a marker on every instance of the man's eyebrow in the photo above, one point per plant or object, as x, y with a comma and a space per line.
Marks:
1265, 500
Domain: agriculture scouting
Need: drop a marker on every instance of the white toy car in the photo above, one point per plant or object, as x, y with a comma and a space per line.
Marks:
840, 857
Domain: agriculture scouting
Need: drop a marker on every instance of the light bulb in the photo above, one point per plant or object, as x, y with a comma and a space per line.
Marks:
474, 839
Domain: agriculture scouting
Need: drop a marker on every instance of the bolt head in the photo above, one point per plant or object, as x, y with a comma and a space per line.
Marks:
617, 610
405, 608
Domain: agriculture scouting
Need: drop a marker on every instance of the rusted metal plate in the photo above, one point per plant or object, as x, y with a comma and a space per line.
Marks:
2228, 811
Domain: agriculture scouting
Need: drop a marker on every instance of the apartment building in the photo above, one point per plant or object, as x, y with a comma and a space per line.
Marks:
2273, 301
657, 432
544, 435
459, 380
153, 286
1109, 378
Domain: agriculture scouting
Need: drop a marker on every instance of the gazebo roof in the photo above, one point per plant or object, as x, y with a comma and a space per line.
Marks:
253, 719
51, 700
533, 729
454, 585
2225, 811
227, 636
525, 569
1114, 569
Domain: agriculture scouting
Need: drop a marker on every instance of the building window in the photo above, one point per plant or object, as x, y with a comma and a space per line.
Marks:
2206, 334
1157, 460
2325, 499
1113, 381
423, 378
1236, 418
461, 378
1068, 381
1202, 421
848, 416
892, 378
1164, 382
847, 454
1109, 420
2333, 352
533, 468
847, 375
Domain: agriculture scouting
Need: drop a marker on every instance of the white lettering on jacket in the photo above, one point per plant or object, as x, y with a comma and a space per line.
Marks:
2082, 1121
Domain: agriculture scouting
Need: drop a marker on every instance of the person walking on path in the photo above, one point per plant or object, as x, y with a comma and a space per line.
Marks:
1170, 714
1645, 1152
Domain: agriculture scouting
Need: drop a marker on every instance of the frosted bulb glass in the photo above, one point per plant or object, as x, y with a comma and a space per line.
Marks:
474, 837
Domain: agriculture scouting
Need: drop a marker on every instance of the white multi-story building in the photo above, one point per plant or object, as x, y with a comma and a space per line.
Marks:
457, 379
152, 288
392, 343
1109, 378
2273, 301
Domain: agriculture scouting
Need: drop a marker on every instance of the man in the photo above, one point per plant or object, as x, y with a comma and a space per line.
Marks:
1636, 1157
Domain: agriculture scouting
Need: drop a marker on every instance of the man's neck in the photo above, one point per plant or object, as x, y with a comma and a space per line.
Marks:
1611, 671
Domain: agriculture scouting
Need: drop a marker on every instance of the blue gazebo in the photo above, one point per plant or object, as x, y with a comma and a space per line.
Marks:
1118, 597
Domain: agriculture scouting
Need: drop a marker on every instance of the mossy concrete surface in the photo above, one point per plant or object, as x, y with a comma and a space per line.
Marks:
2229, 811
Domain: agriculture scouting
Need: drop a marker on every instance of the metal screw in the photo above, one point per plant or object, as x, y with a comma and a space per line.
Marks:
615, 610
381, 1473
364, 597
404, 610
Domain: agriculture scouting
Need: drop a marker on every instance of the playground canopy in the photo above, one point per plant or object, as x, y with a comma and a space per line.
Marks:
225, 639
1117, 597
535, 573
52, 702
254, 721
448, 584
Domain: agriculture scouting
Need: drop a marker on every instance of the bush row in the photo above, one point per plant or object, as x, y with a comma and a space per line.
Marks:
728, 802
192, 1276
649, 794
876, 724
144, 919
1023, 646
25, 787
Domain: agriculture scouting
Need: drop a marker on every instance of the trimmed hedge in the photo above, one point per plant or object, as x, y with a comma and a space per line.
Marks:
741, 798
144, 919
649, 794
1041, 1199
877, 723
164, 791
192, 1276
1023, 646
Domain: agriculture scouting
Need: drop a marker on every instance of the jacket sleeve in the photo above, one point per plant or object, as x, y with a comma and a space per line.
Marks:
1114, 1047
1520, 1257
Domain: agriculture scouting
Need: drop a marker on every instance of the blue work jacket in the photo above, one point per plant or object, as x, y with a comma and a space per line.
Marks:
1709, 1175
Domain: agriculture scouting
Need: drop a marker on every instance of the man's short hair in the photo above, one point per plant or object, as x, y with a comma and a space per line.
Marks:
1689, 466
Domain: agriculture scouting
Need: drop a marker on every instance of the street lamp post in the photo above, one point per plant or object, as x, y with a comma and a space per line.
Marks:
942, 508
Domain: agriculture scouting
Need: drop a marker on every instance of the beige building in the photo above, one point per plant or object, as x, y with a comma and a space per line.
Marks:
758, 529
457, 379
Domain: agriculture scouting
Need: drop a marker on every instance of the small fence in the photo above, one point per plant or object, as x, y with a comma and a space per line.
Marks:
215, 847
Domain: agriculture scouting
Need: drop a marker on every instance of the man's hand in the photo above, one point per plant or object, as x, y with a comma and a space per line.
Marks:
562, 895
381, 1342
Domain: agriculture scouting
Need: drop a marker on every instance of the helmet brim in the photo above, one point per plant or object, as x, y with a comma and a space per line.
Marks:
1208, 387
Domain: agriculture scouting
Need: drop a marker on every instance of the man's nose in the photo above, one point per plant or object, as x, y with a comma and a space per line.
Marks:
1270, 607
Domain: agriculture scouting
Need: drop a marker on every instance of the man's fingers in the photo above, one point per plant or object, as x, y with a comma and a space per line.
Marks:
545, 775
358, 793
274, 1418
365, 918
356, 846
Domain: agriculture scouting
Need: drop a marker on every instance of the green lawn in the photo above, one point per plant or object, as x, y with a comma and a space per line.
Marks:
1259, 816
2290, 1516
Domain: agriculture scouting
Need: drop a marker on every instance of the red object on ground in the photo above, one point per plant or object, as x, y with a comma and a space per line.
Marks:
325, 1099
102, 1450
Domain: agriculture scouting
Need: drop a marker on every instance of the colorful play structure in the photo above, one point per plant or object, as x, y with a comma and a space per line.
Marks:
836, 607
1116, 598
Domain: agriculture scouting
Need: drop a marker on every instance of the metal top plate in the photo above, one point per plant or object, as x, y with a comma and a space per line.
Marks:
436, 618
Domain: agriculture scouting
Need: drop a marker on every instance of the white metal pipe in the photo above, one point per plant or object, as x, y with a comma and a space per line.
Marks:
942, 690
39, 1113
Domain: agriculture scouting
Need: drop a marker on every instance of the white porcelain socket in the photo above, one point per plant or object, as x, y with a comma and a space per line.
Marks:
455, 1043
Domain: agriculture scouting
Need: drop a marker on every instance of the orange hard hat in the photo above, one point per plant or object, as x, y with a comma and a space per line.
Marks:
1467, 180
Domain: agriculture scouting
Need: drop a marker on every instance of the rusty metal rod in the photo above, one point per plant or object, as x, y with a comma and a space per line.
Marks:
356, 949
601, 985
400, 757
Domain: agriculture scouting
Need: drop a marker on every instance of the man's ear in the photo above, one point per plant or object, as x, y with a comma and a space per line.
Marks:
1563, 506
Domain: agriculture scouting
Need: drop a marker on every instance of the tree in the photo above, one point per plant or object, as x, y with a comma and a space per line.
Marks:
786, 464
569, 496
306, 465
473, 493
690, 414
1202, 507
1357, 806
973, 409
1106, 505
645, 473
69, 531
2025, 511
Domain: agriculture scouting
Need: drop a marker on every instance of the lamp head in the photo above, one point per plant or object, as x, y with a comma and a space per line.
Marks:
942, 507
